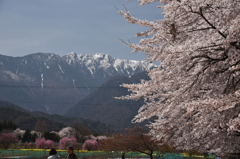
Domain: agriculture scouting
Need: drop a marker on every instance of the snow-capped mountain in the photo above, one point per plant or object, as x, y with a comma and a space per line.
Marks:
51, 83
106, 63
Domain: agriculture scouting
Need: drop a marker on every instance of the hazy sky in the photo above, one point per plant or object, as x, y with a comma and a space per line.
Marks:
63, 26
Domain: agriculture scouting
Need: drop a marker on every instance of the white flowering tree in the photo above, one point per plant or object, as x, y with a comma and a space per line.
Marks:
19, 133
67, 132
195, 91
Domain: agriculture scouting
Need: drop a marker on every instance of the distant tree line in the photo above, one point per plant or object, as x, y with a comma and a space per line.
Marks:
7, 125
29, 136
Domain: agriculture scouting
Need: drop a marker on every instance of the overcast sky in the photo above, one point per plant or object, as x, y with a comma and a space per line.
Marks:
63, 26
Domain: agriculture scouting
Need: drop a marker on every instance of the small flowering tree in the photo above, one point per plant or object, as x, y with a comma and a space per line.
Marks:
43, 143
19, 133
90, 145
6, 139
67, 132
66, 141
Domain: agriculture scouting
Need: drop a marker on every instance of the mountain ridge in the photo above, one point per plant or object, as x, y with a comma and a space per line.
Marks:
50, 83
101, 105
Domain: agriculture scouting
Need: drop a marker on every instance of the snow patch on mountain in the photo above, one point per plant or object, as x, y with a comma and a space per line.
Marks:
105, 62
42, 81
60, 68
46, 65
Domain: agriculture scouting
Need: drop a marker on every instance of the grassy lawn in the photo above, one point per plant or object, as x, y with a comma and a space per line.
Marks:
43, 153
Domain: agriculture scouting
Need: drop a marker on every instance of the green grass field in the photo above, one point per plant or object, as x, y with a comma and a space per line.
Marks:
42, 153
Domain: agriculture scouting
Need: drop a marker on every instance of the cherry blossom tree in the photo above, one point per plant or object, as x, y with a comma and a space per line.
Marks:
19, 133
43, 143
90, 145
66, 141
67, 132
195, 91
6, 139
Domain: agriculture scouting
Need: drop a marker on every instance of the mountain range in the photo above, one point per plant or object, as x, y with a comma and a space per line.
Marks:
53, 84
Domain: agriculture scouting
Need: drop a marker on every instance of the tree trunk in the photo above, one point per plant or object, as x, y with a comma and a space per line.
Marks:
151, 156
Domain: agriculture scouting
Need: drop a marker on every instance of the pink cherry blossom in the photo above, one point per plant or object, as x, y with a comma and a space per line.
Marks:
66, 141
43, 143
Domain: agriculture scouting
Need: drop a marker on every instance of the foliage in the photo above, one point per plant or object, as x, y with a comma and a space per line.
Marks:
66, 141
27, 136
90, 145
34, 137
52, 136
136, 140
43, 143
195, 91
6, 139
7, 125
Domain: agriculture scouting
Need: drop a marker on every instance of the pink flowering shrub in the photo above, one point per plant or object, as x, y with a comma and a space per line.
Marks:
66, 141
6, 139
43, 143
90, 145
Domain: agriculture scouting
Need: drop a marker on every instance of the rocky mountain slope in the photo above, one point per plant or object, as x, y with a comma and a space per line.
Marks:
50, 83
